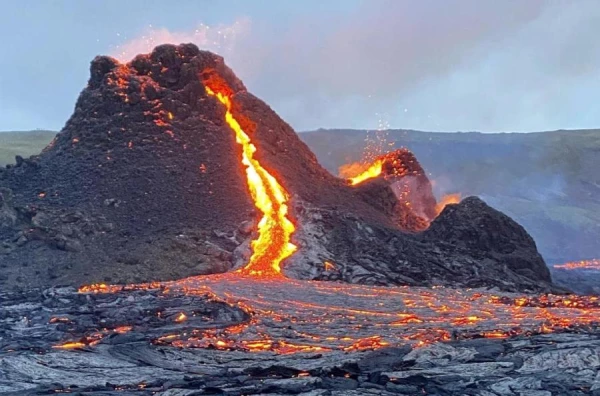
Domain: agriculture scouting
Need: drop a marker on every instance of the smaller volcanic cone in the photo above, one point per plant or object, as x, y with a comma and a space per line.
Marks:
408, 181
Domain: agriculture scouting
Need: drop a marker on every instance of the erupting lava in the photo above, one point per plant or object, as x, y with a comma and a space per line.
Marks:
292, 316
397, 163
275, 228
446, 200
408, 181
372, 171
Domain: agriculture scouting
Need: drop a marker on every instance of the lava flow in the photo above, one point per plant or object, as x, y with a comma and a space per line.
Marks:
273, 244
292, 316
295, 316
580, 265
372, 171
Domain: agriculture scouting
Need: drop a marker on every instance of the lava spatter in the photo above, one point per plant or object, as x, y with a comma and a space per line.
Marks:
275, 228
372, 171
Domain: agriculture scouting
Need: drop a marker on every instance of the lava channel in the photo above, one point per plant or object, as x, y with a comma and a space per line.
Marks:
275, 228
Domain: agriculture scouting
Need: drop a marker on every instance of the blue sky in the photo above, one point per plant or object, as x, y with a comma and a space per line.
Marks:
430, 64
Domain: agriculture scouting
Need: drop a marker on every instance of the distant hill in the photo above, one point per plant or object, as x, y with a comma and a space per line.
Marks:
24, 143
547, 181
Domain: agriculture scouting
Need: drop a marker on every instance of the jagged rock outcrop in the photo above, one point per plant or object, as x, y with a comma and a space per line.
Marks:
145, 182
489, 236
468, 245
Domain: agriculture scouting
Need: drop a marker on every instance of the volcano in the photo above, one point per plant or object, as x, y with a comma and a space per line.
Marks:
169, 167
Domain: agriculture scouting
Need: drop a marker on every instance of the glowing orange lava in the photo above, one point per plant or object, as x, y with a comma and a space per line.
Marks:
273, 244
583, 264
70, 345
446, 200
372, 171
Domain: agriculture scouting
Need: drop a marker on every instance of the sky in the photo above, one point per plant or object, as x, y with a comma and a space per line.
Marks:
433, 65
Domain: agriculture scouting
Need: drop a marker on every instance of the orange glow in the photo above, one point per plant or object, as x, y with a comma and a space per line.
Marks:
329, 266
583, 264
60, 320
392, 164
446, 200
95, 288
180, 318
372, 171
291, 316
275, 228
70, 345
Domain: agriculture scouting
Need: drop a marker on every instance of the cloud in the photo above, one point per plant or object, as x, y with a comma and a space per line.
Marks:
452, 65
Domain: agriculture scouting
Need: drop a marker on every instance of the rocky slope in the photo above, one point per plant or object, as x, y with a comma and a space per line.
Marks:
545, 181
145, 182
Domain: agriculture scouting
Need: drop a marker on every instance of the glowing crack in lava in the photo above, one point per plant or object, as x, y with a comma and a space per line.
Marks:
273, 244
295, 316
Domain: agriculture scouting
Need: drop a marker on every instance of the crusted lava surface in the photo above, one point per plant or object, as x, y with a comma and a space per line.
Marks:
145, 182
228, 334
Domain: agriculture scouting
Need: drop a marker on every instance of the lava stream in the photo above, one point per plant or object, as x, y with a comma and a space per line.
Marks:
372, 171
273, 244
593, 264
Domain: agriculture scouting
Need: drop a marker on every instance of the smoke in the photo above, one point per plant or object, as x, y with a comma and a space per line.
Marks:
221, 39
460, 65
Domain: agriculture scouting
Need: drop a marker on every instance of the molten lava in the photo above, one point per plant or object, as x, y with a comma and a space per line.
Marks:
295, 316
372, 171
580, 265
275, 228
446, 200
397, 163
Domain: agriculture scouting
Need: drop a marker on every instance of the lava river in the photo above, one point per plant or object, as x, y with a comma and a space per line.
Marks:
275, 228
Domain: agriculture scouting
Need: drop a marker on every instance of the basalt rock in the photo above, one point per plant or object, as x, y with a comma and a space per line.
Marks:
145, 182
120, 352
469, 245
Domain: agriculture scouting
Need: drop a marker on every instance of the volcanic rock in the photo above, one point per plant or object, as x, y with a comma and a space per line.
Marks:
469, 245
120, 354
145, 182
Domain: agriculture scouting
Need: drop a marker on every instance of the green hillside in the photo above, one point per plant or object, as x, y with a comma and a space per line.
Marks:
23, 144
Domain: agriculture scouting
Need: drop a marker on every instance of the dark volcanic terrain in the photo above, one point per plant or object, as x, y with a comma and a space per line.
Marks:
548, 181
145, 182
282, 337
163, 172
